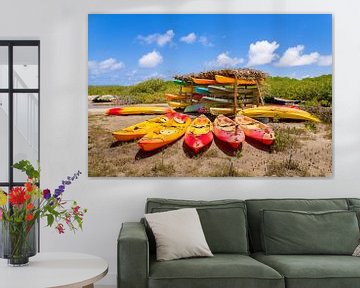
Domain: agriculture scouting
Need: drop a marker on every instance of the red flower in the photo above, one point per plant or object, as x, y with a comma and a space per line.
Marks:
29, 186
75, 209
27, 196
29, 206
60, 228
29, 217
17, 196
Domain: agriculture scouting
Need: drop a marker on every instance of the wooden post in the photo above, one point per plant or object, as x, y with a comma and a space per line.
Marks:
192, 93
235, 94
259, 94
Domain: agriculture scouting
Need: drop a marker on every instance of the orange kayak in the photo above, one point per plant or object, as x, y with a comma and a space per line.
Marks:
174, 97
229, 80
199, 81
199, 134
165, 133
228, 131
255, 129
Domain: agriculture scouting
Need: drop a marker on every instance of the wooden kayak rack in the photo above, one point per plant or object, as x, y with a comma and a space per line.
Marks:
244, 86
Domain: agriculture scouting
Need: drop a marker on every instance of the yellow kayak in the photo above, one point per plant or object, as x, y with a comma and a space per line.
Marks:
165, 133
187, 89
176, 105
140, 129
199, 134
229, 80
281, 112
136, 110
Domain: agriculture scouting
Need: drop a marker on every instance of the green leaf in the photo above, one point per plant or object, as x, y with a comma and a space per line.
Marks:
50, 219
26, 167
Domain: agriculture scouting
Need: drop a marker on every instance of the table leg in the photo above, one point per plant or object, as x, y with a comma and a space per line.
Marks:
89, 286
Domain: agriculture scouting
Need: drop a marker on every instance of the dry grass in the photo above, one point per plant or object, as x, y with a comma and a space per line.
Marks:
286, 168
241, 73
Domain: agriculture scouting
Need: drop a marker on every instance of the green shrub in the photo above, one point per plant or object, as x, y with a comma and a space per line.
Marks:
315, 91
149, 91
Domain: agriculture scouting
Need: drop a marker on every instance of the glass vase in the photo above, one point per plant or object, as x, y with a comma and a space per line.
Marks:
18, 242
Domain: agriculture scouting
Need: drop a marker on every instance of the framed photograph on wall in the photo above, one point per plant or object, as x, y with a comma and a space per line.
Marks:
210, 95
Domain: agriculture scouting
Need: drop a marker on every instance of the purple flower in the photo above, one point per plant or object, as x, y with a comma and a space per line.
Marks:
46, 194
57, 193
68, 181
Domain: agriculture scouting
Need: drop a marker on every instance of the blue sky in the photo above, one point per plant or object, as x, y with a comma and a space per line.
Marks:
125, 49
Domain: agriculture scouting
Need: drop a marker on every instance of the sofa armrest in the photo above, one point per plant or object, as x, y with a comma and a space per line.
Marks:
133, 256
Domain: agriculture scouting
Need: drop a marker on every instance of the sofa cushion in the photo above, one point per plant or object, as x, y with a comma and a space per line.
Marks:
356, 209
222, 270
297, 232
178, 234
353, 201
313, 271
255, 206
223, 221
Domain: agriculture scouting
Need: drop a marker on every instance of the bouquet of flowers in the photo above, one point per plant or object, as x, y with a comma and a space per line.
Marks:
23, 206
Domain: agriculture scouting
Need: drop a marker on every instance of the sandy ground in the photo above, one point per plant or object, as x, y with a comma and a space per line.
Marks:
310, 156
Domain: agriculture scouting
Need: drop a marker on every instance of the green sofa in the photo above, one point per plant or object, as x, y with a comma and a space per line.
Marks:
233, 230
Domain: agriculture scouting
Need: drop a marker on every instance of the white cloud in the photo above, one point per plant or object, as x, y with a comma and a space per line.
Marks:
325, 60
262, 52
294, 56
190, 38
205, 41
224, 60
159, 39
151, 59
105, 66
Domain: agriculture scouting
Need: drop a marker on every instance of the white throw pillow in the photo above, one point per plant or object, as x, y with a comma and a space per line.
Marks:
357, 251
178, 234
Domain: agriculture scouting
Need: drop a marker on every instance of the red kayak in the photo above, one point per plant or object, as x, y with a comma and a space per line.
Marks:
255, 129
138, 110
199, 134
228, 131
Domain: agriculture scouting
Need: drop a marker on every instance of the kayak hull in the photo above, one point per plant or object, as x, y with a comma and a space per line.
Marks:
281, 112
187, 89
165, 133
199, 81
177, 105
140, 129
194, 108
217, 100
229, 80
170, 97
202, 90
227, 131
199, 134
136, 110
256, 130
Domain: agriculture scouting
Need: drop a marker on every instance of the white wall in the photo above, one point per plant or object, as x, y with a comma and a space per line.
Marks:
62, 28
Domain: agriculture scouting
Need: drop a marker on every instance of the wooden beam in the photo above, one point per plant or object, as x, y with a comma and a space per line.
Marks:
235, 94
259, 93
